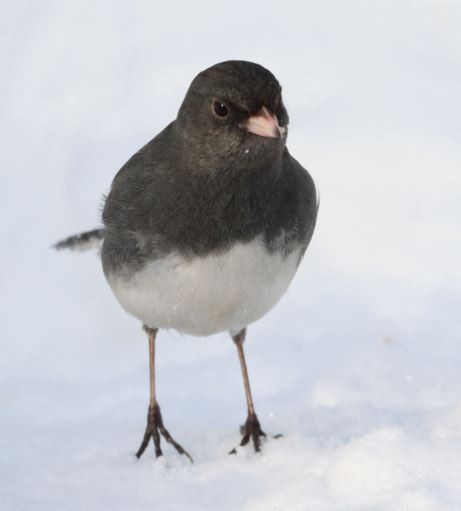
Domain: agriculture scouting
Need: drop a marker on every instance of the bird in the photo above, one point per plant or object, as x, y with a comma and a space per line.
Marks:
206, 225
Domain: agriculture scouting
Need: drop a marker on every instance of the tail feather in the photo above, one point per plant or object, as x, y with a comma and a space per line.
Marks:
83, 241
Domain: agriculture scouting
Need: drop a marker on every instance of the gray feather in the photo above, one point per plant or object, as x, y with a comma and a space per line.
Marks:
83, 241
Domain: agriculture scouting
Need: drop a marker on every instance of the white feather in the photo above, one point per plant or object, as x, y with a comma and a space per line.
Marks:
206, 295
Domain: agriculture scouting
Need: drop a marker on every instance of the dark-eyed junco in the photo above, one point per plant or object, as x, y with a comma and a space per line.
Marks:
205, 226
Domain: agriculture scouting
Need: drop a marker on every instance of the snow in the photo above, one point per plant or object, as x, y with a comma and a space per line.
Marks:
359, 364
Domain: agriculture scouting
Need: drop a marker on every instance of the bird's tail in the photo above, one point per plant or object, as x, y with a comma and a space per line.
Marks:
83, 241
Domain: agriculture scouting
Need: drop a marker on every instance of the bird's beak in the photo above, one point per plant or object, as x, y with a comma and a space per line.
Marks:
264, 124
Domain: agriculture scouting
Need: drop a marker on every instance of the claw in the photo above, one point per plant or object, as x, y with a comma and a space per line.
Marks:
251, 429
154, 429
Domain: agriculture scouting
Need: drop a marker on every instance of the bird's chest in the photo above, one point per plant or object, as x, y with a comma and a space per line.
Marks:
226, 290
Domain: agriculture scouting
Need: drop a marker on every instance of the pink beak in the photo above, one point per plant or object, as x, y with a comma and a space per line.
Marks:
264, 124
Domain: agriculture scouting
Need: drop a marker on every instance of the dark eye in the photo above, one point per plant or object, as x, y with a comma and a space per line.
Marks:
220, 109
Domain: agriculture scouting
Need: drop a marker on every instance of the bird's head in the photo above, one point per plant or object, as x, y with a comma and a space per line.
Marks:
233, 114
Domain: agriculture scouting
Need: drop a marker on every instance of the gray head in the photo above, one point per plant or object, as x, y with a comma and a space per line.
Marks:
233, 116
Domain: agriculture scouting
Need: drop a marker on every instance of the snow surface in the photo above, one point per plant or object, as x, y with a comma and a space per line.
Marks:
359, 365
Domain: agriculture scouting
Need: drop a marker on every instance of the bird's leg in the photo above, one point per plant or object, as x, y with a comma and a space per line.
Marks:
155, 426
251, 428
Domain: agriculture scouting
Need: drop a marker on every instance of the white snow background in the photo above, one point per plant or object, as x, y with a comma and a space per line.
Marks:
359, 366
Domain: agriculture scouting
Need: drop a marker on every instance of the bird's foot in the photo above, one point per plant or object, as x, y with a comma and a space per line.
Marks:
154, 429
251, 429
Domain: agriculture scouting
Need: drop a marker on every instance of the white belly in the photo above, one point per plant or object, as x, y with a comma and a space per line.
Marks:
206, 295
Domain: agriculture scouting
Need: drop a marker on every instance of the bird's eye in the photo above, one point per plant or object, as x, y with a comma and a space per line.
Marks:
220, 109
